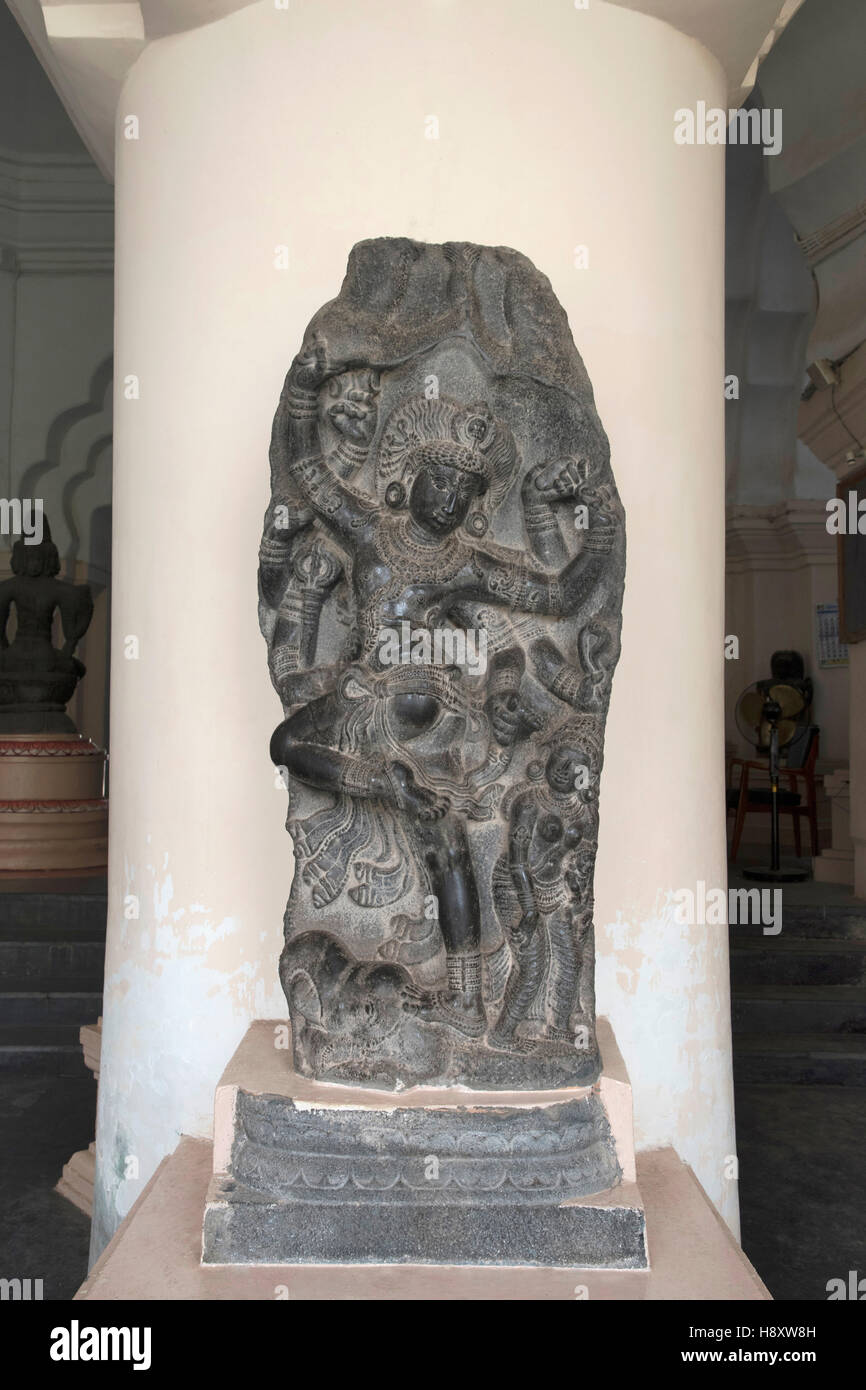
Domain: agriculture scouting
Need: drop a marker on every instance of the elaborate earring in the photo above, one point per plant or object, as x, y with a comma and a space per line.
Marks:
395, 495
476, 524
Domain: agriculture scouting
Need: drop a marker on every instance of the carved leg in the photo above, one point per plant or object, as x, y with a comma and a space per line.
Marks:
445, 851
524, 982
562, 983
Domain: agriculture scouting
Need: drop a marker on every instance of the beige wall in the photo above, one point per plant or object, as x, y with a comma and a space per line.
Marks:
306, 128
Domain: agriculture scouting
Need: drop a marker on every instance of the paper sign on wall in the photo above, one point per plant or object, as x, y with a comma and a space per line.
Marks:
830, 651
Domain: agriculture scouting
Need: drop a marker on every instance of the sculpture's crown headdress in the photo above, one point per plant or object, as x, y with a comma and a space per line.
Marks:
451, 455
421, 433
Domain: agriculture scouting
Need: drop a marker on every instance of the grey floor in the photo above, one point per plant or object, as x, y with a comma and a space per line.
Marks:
52, 934
43, 1120
802, 1185
802, 1152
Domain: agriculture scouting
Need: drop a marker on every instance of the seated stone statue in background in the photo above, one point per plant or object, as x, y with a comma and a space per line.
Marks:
38, 679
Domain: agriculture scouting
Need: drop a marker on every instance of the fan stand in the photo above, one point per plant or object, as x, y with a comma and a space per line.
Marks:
775, 873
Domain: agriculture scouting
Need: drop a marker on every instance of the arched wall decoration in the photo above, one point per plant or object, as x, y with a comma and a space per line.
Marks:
78, 449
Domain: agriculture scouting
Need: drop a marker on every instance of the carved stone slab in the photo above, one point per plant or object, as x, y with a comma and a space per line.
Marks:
440, 589
304, 1175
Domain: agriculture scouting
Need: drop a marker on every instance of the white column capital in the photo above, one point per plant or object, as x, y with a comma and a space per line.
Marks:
87, 49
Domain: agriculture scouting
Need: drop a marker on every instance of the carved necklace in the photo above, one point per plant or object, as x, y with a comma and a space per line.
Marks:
556, 802
407, 551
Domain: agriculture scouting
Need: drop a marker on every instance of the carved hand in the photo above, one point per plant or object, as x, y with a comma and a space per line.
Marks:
356, 413
522, 933
602, 516
403, 791
554, 482
312, 366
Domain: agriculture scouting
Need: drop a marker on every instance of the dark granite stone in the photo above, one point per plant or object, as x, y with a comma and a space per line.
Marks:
254, 1231
439, 1156
440, 590
436, 1185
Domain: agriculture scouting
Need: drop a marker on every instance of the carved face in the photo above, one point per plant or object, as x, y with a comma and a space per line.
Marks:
441, 497
563, 767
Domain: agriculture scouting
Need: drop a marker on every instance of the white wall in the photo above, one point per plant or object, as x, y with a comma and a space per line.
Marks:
306, 127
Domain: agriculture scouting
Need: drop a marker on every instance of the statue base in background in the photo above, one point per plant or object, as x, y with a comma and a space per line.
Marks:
307, 1172
53, 814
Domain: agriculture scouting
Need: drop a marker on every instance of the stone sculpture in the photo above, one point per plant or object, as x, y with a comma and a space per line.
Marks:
440, 588
37, 679
53, 811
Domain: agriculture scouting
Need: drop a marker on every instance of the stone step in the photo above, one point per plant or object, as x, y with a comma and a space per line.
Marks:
835, 922
64, 916
57, 1001
790, 961
36, 960
799, 1009
802, 1059
42, 1050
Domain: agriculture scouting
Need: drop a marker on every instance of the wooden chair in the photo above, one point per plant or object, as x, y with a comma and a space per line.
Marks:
796, 799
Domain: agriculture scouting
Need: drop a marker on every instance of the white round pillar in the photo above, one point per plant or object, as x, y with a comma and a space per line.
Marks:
267, 145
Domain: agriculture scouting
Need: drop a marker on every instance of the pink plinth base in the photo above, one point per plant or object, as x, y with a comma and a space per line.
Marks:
52, 811
156, 1253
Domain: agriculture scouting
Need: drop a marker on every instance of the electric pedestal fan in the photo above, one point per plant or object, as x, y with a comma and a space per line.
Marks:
767, 717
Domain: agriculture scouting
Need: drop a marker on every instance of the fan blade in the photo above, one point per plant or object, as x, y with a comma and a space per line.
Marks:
790, 700
752, 707
787, 729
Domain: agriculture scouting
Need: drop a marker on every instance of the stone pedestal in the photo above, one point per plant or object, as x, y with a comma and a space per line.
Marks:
53, 814
77, 1178
836, 864
155, 1254
311, 1173
76, 1181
